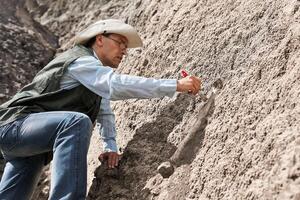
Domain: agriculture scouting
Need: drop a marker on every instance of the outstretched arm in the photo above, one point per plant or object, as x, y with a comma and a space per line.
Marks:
103, 81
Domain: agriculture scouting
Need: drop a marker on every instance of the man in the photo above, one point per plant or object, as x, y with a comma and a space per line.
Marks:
53, 115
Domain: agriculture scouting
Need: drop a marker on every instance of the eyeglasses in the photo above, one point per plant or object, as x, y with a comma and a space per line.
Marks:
122, 45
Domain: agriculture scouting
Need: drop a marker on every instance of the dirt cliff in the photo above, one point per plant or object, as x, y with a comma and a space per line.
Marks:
249, 146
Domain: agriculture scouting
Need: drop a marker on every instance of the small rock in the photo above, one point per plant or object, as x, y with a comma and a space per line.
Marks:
165, 169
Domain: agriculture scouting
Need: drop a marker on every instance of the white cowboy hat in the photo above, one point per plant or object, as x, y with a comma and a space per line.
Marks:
110, 26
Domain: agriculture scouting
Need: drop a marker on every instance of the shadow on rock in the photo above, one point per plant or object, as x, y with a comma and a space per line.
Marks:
141, 157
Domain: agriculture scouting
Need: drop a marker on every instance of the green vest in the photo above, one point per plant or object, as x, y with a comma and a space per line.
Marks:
44, 93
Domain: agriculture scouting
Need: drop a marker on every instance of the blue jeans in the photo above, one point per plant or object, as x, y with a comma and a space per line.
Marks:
24, 144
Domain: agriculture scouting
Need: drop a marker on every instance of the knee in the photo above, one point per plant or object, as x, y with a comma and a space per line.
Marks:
85, 121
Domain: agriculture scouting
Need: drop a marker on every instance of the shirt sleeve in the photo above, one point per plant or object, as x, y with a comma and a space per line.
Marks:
106, 83
107, 127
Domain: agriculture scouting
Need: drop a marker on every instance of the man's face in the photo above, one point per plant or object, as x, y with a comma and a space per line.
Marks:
112, 49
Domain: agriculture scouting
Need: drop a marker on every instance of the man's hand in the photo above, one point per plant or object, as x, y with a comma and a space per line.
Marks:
112, 159
191, 84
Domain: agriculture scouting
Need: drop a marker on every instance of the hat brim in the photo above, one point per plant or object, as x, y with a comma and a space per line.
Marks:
110, 26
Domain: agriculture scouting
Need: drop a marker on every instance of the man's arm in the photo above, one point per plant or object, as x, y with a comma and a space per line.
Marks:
107, 131
90, 72
103, 81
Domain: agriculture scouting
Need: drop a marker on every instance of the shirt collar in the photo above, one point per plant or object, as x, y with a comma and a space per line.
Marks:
96, 55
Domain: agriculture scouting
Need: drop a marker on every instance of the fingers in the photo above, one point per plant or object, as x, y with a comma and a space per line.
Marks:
195, 84
190, 84
112, 159
102, 157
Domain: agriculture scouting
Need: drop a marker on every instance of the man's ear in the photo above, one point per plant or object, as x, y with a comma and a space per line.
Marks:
99, 40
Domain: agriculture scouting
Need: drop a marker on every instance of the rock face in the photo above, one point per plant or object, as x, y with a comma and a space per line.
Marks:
251, 143
26, 47
189, 146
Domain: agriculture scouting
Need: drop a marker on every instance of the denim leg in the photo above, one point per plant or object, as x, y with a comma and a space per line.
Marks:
67, 135
20, 177
69, 167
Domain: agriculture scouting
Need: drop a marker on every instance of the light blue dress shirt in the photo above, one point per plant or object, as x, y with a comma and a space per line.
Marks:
102, 80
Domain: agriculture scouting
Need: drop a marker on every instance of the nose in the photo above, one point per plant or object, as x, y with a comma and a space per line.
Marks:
124, 51
123, 46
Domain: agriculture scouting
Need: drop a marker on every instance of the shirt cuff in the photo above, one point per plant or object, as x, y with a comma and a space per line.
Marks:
168, 87
110, 145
